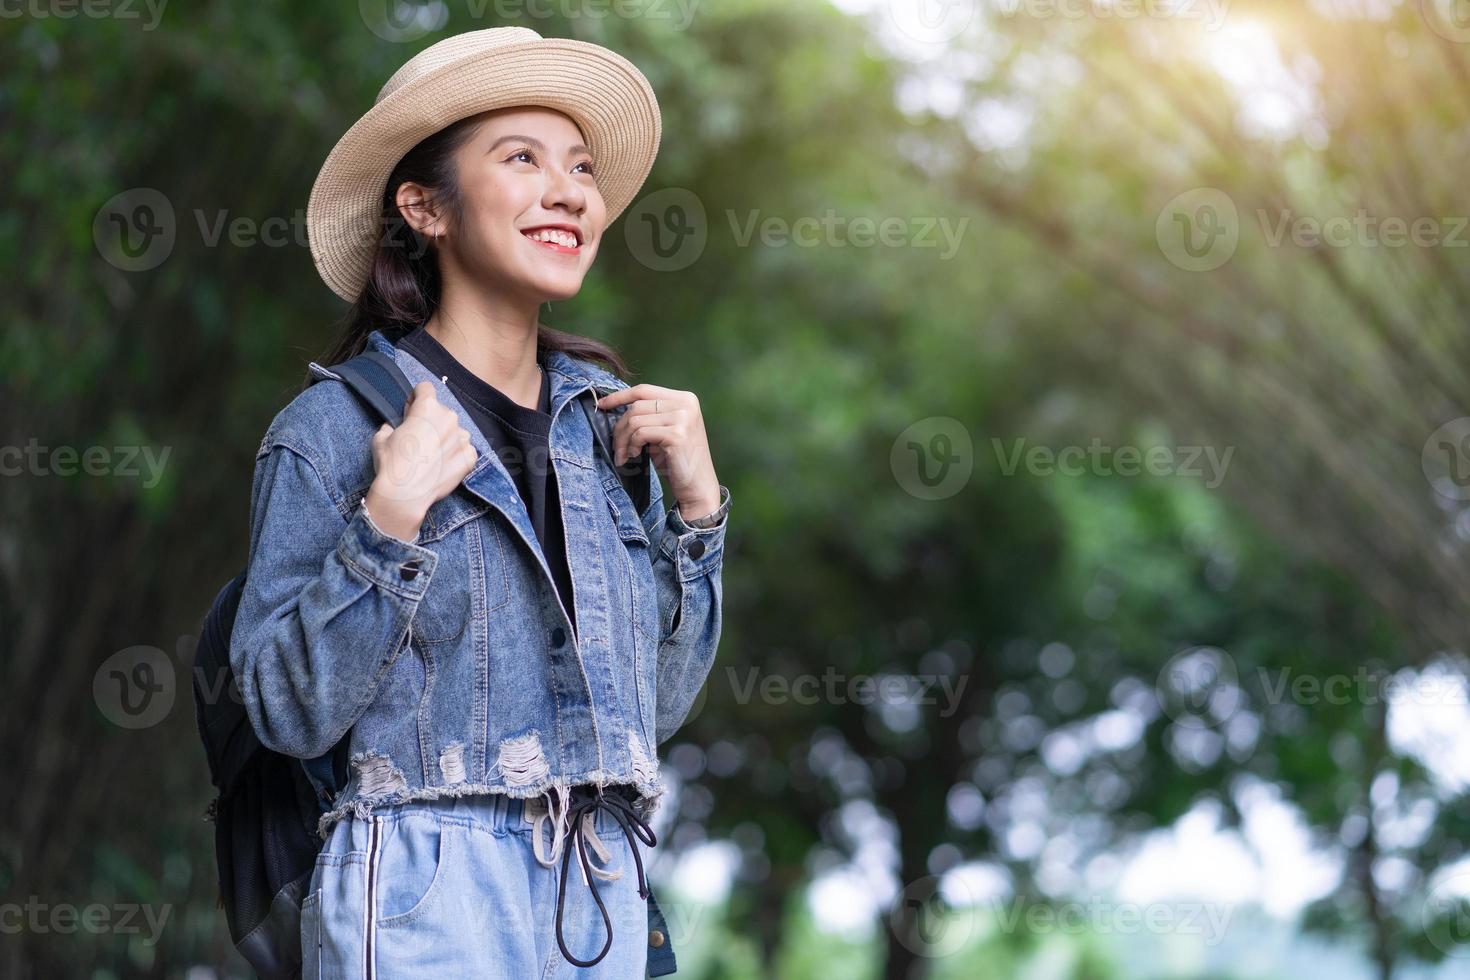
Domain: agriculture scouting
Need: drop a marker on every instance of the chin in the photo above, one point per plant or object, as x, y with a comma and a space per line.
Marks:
554, 288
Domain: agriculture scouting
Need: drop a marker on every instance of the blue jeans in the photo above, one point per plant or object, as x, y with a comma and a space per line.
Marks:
452, 888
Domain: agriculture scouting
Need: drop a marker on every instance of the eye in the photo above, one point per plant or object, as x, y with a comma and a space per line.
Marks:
590, 168
523, 152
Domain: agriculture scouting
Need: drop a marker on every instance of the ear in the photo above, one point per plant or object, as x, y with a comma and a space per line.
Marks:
419, 210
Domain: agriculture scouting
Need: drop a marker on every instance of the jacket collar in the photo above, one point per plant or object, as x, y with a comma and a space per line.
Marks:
489, 480
568, 375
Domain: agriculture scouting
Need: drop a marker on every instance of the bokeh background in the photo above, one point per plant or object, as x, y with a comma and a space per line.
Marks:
1091, 378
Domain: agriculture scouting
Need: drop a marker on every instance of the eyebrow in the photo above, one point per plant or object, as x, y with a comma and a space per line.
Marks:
536, 144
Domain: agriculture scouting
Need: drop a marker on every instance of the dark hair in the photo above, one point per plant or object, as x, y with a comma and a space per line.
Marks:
403, 287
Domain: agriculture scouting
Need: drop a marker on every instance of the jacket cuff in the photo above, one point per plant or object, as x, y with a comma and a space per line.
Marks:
398, 566
694, 551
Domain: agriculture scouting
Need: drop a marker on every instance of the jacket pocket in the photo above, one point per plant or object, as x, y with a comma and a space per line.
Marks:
444, 611
642, 598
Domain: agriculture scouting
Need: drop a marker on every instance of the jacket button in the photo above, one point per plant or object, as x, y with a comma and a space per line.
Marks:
409, 570
696, 548
655, 939
558, 637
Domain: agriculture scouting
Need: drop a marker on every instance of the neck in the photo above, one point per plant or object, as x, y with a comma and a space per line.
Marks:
495, 341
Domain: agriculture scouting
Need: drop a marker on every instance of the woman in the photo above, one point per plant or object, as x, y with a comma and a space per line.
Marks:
472, 600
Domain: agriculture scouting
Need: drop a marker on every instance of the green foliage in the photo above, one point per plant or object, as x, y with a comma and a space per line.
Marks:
1047, 600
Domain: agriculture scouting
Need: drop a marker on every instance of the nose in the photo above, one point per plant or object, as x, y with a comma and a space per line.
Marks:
563, 191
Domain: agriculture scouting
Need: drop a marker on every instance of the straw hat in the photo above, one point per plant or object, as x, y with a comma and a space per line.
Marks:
461, 76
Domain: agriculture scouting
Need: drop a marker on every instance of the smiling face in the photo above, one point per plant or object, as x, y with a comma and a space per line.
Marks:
532, 217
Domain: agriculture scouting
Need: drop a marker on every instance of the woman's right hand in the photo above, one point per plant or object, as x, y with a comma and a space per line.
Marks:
417, 464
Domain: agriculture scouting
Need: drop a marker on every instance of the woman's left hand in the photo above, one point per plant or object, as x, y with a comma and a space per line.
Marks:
669, 422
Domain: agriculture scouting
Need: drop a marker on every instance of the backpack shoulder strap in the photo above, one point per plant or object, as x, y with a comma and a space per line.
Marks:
380, 382
377, 379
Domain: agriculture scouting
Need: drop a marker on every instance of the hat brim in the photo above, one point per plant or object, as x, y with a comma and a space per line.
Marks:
603, 92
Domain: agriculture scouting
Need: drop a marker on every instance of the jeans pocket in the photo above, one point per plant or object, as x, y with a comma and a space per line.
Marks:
413, 860
311, 936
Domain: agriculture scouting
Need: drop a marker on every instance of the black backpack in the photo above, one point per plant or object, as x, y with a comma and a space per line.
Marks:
268, 804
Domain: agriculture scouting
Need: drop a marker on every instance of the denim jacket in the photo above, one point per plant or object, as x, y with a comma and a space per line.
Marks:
451, 660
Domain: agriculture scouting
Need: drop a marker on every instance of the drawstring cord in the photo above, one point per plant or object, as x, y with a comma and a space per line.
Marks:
560, 822
579, 814
558, 826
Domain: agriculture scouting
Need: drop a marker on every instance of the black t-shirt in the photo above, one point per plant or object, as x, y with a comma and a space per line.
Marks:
520, 436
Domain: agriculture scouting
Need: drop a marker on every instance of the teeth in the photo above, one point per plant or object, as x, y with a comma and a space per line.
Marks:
553, 235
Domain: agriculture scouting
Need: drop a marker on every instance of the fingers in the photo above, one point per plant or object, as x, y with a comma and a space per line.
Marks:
625, 395
465, 450
670, 420
666, 409
424, 406
422, 392
649, 435
458, 463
